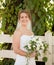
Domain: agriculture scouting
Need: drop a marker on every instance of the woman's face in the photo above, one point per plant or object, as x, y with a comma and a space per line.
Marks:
24, 19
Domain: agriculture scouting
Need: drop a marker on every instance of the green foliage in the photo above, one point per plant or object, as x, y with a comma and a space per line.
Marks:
42, 12
9, 20
39, 47
5, 46
7, 62
42, 15
10, 15
45, 59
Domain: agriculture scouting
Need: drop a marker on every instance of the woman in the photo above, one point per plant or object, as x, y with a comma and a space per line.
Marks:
22, 35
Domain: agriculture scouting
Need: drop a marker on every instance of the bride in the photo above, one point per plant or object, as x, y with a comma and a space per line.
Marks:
22, 35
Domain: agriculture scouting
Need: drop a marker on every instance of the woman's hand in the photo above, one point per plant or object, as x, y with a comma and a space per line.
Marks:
33, 54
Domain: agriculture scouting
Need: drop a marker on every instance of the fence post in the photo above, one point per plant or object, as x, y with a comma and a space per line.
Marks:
48, 39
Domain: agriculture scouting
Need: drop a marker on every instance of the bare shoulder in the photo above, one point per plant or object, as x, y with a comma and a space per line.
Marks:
31, 32
17, 33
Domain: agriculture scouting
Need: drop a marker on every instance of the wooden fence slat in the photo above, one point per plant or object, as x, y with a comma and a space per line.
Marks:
52, 40
10, 53
7, 54
48, 38
5, 38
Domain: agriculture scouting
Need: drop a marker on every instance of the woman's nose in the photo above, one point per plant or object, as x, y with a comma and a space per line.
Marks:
24, 18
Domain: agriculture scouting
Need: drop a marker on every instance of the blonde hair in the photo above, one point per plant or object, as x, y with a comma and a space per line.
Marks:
24, 11
29, 26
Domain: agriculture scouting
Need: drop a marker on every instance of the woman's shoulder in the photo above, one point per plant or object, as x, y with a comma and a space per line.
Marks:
17, 32
32, 33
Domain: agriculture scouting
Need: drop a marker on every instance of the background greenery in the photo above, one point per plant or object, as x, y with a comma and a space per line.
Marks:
42, 12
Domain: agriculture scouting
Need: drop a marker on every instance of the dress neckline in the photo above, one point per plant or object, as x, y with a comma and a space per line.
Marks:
27, 35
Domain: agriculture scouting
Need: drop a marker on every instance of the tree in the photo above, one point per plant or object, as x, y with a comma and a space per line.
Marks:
10, 15
9, 21
42, 15
42, 12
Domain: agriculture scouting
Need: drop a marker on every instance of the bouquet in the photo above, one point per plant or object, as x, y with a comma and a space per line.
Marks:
38, 46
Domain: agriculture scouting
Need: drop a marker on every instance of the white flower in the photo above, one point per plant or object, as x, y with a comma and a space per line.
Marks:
37, 48
42, 47
33, 46
33, 39
29, 46
36, 44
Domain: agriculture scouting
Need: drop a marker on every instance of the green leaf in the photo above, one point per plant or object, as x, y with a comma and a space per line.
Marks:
45, 59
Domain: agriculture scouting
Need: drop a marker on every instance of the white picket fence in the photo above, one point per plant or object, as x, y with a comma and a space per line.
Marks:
10, 53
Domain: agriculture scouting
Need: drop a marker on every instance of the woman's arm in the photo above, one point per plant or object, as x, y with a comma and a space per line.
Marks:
16, 44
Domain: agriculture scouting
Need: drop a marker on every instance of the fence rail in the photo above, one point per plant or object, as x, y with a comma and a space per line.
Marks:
10, 53
7, 54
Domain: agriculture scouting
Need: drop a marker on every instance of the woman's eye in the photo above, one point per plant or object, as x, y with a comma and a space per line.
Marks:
22, 17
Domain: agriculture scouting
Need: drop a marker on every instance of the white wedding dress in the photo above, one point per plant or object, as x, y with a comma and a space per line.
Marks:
21, 60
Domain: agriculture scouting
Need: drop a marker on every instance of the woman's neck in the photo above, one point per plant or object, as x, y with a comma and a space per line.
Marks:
24, 27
